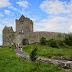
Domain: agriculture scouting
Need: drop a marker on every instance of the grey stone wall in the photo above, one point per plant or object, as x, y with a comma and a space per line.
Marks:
8, 36
33, 37
36, 36
18, 37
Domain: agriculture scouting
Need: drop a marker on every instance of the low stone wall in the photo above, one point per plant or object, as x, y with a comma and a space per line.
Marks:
65, 64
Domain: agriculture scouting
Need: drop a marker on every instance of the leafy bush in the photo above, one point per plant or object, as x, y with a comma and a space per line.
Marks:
33, 55
43, 41
53, 43
0, 46
59, 35
68, 39
60, 42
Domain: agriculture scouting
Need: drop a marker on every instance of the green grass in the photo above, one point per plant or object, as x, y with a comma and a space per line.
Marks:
10, 63
46, 51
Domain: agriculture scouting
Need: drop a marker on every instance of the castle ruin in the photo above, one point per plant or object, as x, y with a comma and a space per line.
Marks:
24, 31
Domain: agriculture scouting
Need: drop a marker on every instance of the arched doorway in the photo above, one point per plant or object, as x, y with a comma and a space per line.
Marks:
25, 41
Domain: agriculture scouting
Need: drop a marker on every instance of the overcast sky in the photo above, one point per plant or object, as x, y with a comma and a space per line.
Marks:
47, 15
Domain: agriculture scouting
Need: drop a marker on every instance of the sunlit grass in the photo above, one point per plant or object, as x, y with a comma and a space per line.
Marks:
46, 51
10, 63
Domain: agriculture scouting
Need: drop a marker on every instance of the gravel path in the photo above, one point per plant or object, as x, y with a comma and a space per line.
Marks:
19, 51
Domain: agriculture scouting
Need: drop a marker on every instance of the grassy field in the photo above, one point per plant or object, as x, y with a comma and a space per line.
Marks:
10, 63
46, 51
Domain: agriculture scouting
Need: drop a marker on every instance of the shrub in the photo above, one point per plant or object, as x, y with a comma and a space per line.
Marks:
59, 35
68, 39
60, 42
53, 43
0, 46
43, 41
33, 55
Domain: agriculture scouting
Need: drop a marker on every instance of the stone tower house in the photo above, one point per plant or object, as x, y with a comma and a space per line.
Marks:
24, 31
24, 25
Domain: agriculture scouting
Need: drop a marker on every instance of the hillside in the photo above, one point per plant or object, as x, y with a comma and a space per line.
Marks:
10, 63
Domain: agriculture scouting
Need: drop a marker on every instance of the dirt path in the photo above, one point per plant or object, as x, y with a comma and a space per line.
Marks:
19, 51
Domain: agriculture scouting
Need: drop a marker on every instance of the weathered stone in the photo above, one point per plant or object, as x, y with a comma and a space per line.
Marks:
60, 58
68, 65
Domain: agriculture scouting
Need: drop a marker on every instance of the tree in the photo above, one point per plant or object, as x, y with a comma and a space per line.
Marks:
33, 55
59, 35
43, 41
68, 39
53, 43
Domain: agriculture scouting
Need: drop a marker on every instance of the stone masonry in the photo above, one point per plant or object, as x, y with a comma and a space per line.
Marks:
24, 30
